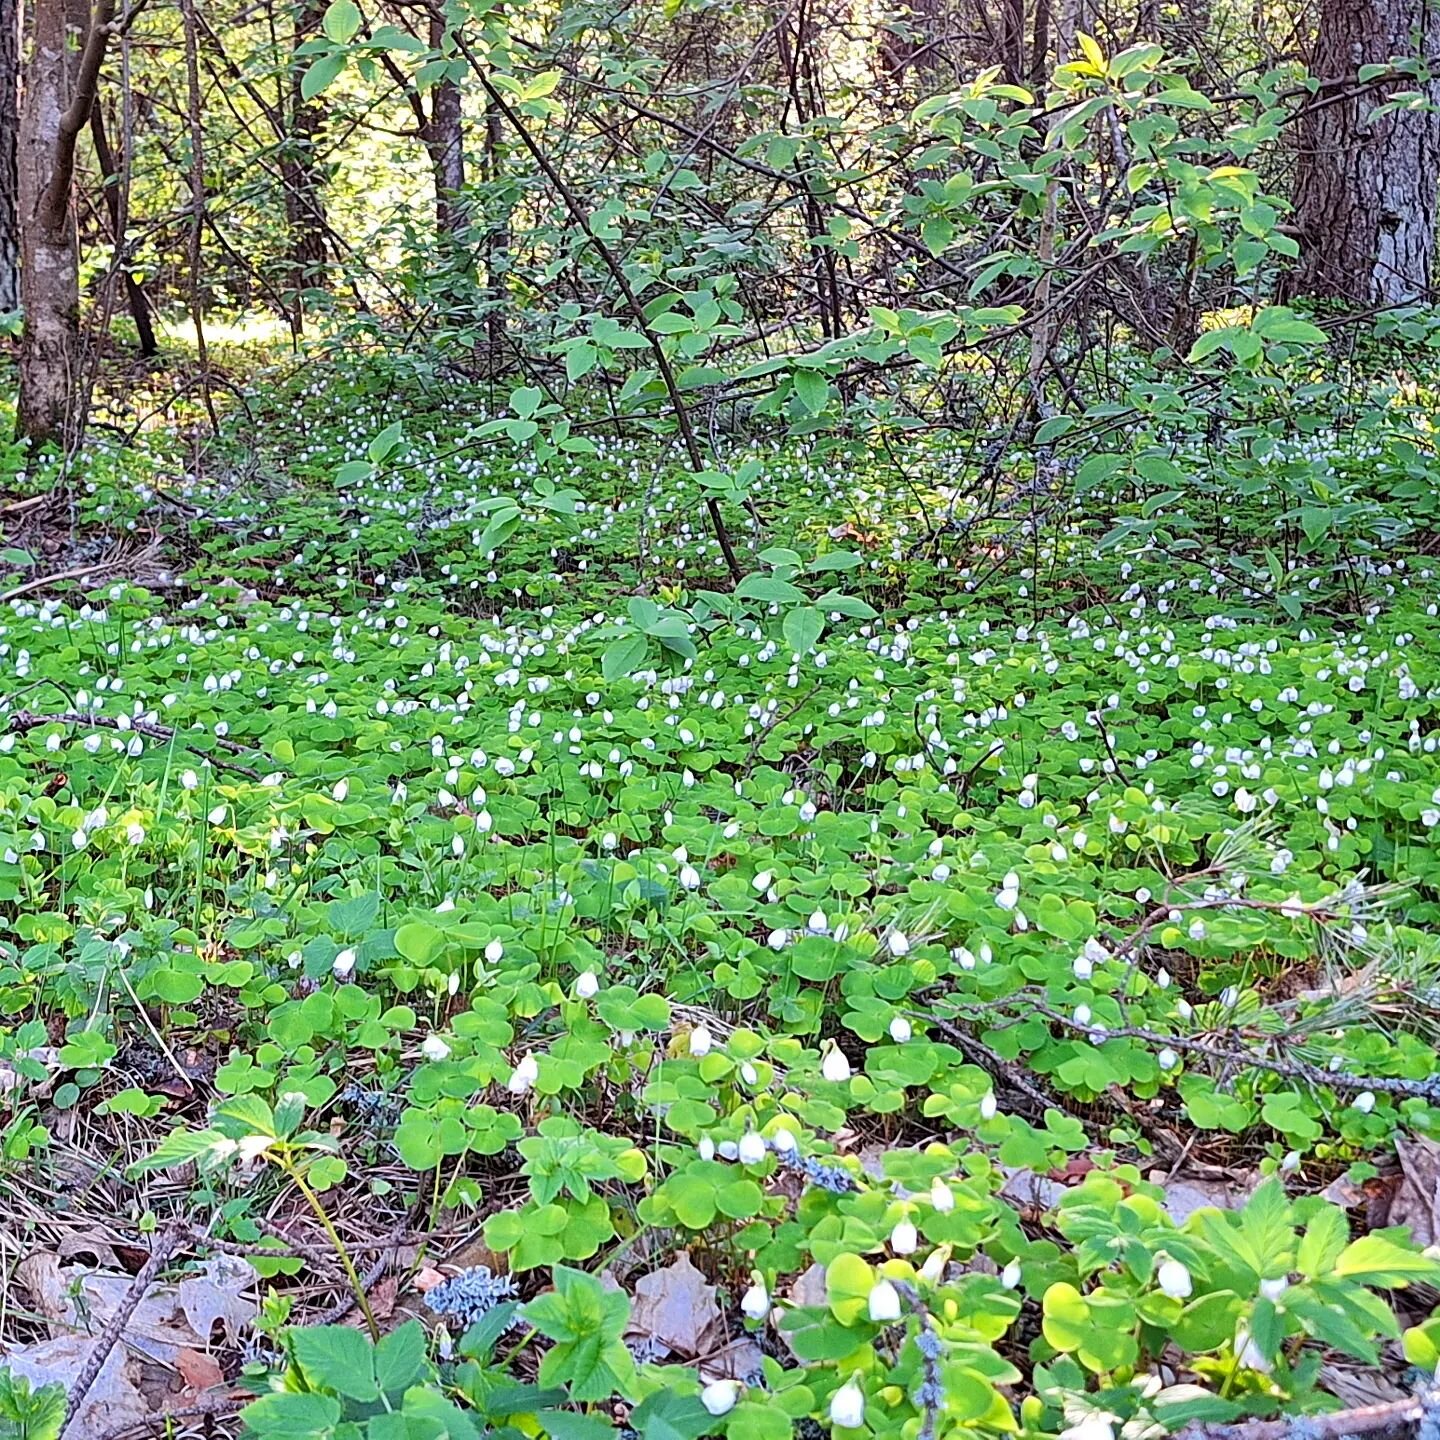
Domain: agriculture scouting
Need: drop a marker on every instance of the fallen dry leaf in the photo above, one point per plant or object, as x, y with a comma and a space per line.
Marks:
167, 1319
742, 1359
113, 1401
217, 1295
1416, 1201
676, 1306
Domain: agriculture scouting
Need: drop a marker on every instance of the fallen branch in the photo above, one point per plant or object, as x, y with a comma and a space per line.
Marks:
166, 1244
26, 720
1395, 1417
1427, 1088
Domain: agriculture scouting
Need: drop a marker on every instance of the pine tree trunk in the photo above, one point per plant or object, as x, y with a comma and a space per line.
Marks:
1366, 189
9, 160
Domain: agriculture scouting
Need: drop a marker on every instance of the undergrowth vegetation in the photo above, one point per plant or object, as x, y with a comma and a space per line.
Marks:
806, 1000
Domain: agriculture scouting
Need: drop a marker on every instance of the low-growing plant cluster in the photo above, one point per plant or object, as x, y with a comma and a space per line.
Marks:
845, 960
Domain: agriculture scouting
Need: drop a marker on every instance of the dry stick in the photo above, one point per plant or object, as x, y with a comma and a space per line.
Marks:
1293, 1069
1400, 1417
26, 720
617, 271
166, 1244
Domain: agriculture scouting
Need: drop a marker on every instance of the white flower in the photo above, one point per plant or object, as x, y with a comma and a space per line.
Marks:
1095, 1426
835, 1067
706, 1147
435, 1048
527, 1072
587, 985
762, 882
749, 1074
1008, 896
189, 780
1168, 1059
719, 1396
1250, 1354
689, 877
79, 839
343, 964
1010, 1275
1174, 1280
1364, 1102
1082, 967
904, 1238
783, 1141
817, 923
778, 939
989, 1106
900, 1030
897, 944
941, 1196
134, 833
700, 1041
755, 1303
1272, 1290
933, 1270
884, 1302
752, 1148
847, 1406
217, 815
341, 790
493, 951
1082, 1015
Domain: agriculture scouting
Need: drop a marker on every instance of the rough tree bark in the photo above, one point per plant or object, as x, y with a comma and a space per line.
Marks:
58, 100
442, 130
301, 171
9, 164
1365, 189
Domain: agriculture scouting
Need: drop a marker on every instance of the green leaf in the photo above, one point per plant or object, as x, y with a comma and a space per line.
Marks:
1378, 1259
338, 1358
624, 656
812, 390
802, 628
400, 1358
292, 1417
178, 1148
769, 591
666, 1415
319, 76
342, 20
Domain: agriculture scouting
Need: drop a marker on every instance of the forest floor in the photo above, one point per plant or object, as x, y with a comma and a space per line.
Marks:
980, 863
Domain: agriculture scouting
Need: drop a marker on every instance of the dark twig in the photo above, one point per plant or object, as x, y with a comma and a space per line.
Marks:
26, 720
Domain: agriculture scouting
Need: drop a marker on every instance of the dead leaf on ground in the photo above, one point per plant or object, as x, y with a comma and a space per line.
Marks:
1184, 1196
167, 1319
217, 1295
1416, 1201
740, 1360
676, 1306
113, 1402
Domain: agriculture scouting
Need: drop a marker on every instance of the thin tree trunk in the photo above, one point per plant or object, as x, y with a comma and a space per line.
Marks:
57, 108
443, 133
9, 159
1365, 191
110, 175
497, 236
300, 169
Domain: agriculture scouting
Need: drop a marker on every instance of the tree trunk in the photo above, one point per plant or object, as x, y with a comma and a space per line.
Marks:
301, 170
9, 161
1366, 189
110, 176
57, 107
444, 138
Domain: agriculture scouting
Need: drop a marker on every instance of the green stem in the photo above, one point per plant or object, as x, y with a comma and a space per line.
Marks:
351, 1273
